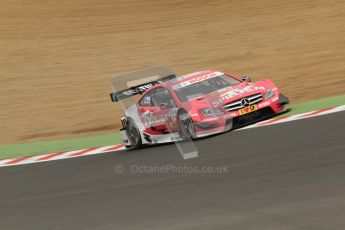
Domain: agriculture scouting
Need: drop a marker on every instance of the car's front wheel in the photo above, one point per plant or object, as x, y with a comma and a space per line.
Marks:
187, 129
133, 134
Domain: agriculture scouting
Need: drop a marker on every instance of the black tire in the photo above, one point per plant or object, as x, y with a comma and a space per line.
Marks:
133, 134
187, 129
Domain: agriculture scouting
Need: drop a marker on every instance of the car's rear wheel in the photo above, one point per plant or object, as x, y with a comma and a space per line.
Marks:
133, 134
187, 129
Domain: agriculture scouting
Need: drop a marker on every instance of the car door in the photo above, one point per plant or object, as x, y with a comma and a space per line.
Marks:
159, 109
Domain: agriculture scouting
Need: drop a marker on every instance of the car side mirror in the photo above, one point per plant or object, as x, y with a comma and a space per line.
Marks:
246, 78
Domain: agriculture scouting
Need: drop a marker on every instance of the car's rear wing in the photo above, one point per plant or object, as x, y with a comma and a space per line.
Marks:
134, 83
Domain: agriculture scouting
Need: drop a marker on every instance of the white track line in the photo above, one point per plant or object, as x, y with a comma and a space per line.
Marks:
112, 148
59, 156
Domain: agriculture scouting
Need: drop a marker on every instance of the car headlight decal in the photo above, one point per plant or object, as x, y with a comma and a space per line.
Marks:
211, 112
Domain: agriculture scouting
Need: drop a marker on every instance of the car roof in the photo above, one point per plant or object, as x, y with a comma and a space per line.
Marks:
191, 76
184, 78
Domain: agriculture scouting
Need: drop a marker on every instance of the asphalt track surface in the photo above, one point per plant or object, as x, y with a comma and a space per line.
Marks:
285, 176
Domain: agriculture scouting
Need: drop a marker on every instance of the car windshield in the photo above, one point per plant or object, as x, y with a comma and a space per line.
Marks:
209, 85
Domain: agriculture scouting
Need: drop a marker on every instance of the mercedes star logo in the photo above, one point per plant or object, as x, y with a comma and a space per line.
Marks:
245, 102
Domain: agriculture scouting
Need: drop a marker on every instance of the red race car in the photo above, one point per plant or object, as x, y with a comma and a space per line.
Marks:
170, 108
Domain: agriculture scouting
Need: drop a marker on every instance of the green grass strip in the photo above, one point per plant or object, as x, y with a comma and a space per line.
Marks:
44, 147
316, 105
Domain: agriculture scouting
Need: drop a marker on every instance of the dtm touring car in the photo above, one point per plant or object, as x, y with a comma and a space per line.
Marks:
169, 108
